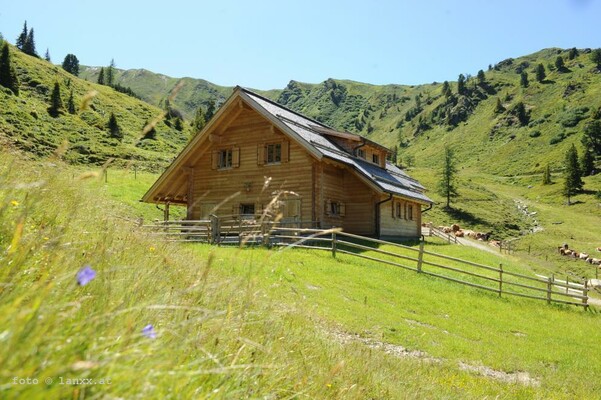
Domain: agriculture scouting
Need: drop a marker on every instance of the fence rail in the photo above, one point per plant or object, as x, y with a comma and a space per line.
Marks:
496, 279
485, 277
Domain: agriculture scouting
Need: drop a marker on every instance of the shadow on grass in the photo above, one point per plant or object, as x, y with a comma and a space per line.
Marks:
463, 217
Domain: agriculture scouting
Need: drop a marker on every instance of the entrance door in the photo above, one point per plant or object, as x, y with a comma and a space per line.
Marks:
247, 210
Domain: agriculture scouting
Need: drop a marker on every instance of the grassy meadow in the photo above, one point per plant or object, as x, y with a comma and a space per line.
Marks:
250, 323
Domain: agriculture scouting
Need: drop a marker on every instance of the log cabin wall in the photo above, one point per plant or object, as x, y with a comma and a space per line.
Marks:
400, 218
248, 136
347, 202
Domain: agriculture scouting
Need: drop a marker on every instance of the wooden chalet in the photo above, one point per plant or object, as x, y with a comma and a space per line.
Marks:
254, 148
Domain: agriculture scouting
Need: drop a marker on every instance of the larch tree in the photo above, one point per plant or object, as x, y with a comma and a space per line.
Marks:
8, 76
547, 176
71, 64
110, 73
113, 127
540, 73
573, 175
101, 76
29, 46
524, 79
447, 185
461, 84
587, 163
199, 121
71, 103
56, 103
22, 38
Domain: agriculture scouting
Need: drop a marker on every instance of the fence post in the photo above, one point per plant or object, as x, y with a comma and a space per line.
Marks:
549, 287
214, 229
500, 279
334, 244
585, 294
567, 285
420, 257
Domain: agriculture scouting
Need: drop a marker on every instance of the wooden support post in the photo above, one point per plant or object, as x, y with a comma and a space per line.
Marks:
585, 294
420, 257
567, 284
166, 212
334, 244
549, 288
500, 279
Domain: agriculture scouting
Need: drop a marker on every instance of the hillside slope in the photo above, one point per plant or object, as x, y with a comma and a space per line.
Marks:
25, 119
420, 120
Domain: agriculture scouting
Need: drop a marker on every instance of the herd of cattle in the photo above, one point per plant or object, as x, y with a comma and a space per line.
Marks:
565, 251
456, 230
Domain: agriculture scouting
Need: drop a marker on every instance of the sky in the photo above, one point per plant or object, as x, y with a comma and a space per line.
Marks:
265, 44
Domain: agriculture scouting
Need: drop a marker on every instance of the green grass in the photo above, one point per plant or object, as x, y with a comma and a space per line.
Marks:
249, 323
83, 137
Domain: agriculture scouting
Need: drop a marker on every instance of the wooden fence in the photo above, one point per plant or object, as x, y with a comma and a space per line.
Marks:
243, 230
494, 279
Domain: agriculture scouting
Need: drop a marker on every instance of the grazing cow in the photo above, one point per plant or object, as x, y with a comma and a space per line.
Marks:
596, 261
459, 233
455, 227
598, 249
583, 256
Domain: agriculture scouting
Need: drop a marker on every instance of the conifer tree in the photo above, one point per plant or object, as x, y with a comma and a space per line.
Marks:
524, 79
8, 76
573, 53
499, 107
461, 84
113, 127
447, 186
210, 110
446, 89
71, 103
29, 46
149, 131
587, 163
573, 175
481, 78
71, 64
540, 73
596, 58
56, 103
22, 38
101, 76
592, 137
547, 176
198, 123
559, 64
47, 55
110, 73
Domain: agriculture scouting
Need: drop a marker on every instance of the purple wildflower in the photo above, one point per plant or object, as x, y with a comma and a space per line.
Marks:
149, 332
85, 275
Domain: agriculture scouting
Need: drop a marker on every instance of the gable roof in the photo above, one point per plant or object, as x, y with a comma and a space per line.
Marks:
313, 136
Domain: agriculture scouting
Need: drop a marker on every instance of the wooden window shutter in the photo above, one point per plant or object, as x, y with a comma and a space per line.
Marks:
405, 210
328, 207
261, 154
236, 157
214, 159
393, 206
285, 151
236, 209
342, 209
